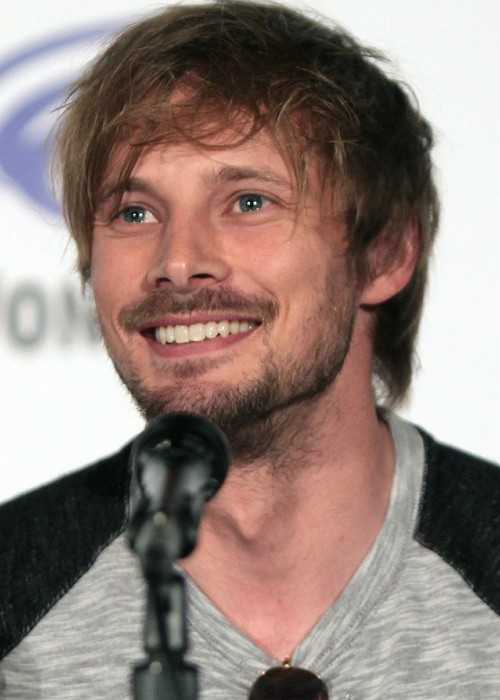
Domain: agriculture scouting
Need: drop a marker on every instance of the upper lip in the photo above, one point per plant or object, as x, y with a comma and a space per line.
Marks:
191, 319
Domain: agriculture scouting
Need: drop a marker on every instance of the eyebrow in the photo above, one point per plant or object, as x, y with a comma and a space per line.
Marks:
132, 184
232, 173
226, 174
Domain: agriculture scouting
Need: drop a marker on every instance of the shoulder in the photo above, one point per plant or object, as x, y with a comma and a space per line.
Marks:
459, 516
50, 537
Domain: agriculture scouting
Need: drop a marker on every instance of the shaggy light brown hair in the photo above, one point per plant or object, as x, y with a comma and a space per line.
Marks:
311, 85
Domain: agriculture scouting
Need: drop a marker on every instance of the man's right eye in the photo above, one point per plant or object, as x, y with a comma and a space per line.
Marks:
136, 215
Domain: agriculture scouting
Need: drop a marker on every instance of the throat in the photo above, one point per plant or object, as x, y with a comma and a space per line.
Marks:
275, 613
275, 554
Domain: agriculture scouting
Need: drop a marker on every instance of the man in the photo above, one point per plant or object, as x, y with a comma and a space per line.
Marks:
253, 207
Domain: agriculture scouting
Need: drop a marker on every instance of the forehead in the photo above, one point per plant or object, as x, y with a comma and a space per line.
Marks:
225, 157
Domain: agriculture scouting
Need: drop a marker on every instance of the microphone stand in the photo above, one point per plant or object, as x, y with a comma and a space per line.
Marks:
164, 674
180, 461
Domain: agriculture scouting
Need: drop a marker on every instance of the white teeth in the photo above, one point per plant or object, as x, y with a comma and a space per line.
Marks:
200, 331
181, 334
197, 332
223, 328
162, 332
211, 330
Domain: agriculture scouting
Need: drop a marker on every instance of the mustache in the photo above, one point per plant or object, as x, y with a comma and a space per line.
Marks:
164, 301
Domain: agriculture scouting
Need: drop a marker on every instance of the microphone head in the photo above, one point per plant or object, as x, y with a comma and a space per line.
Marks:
176, 436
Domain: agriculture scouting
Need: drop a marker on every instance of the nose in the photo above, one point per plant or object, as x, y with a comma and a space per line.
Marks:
187, 256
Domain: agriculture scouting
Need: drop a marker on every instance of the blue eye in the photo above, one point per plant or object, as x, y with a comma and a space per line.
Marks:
134, 215
251, 202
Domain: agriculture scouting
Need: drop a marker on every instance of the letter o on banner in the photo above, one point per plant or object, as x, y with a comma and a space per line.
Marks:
27, 316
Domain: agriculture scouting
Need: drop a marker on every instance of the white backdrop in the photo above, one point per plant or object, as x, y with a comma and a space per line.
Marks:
62, 405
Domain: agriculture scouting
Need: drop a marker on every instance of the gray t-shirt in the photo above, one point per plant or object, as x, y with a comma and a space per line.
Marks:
407, 626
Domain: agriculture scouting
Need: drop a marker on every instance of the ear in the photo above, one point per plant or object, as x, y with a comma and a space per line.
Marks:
389, 271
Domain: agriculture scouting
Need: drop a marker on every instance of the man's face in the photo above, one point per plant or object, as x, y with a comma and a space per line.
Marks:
218, 292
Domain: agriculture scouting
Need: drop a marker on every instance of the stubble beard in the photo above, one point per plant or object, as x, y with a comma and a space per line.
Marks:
263, 416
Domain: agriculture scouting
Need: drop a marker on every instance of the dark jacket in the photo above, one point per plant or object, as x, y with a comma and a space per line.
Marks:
50, 537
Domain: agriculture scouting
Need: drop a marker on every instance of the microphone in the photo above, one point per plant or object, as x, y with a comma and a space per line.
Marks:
180, 461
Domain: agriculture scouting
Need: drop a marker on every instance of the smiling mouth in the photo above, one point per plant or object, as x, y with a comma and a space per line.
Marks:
181, 334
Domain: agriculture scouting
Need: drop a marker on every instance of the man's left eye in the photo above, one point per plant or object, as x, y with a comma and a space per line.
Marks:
251, 202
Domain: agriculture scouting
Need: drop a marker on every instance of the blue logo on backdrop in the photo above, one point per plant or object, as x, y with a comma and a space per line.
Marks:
24, 150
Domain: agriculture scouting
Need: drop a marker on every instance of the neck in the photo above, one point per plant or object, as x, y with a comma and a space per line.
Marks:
281, 542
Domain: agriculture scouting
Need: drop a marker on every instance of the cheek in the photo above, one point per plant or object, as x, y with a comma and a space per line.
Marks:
103, 285
114, 274
110, 288
300, 269
296, 278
